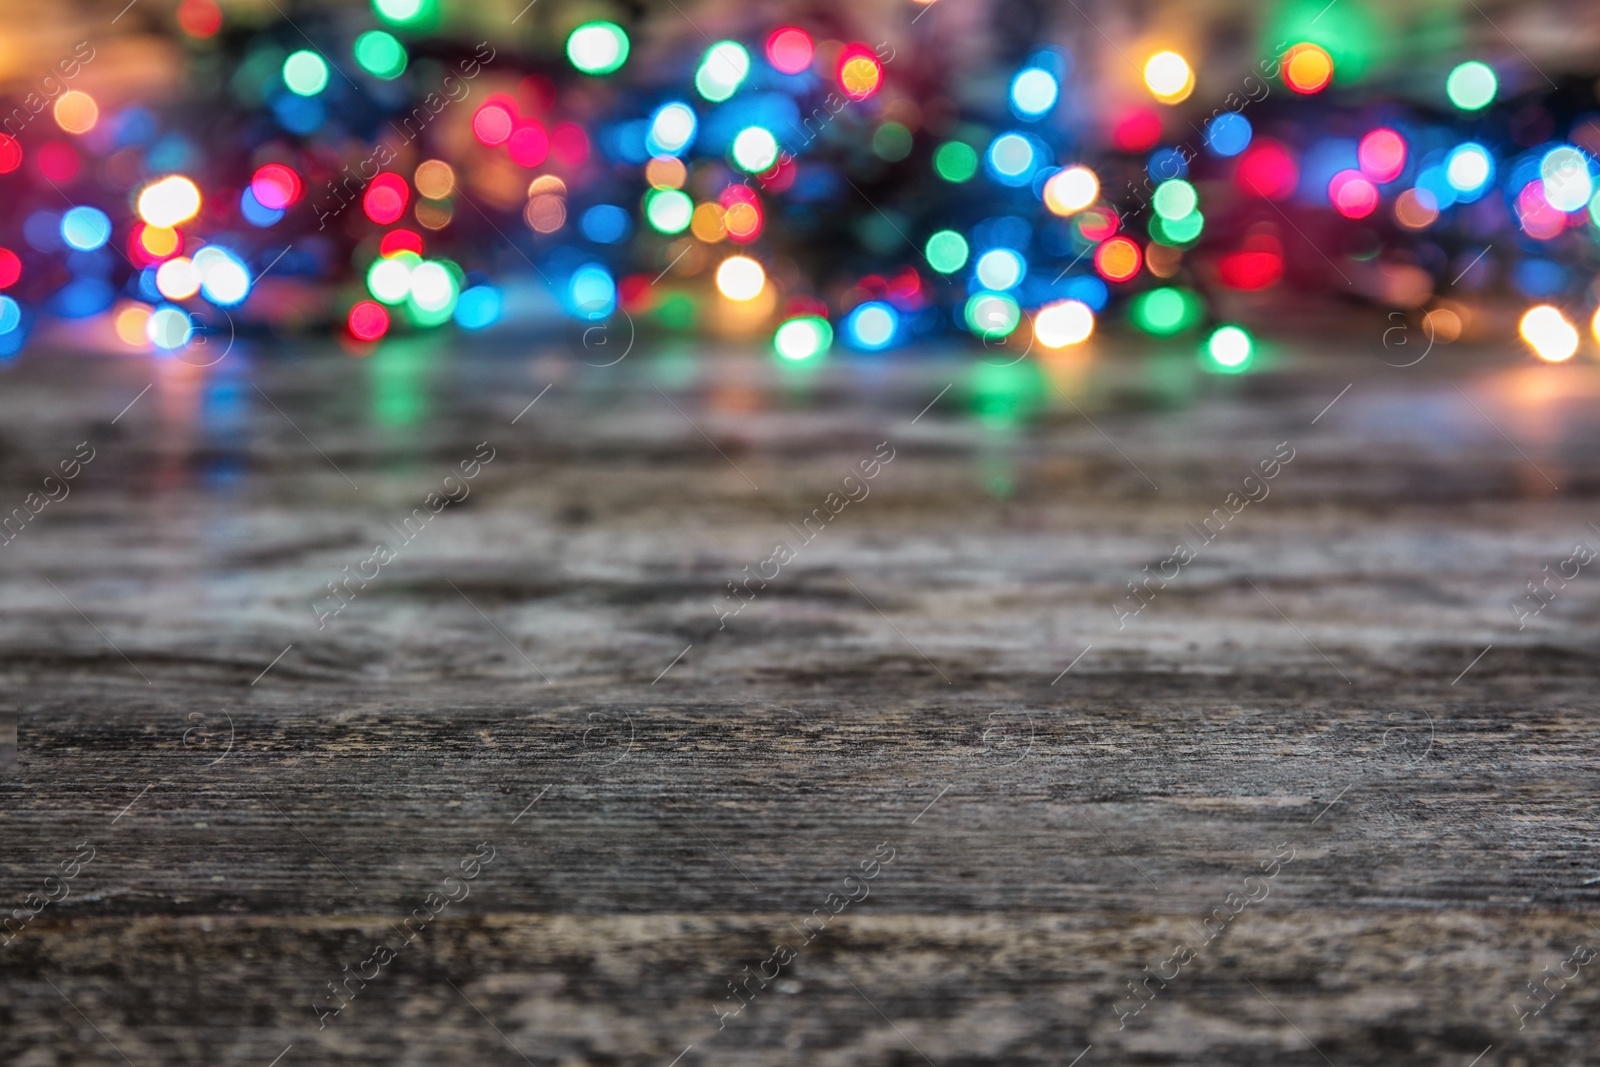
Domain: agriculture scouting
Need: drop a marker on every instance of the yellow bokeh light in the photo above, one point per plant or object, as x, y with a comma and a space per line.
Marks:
545, 213
859, 76
159, 241
741, 278
547, 184
129, 325
666, 172
435, 179
741, 220
706, 223
1070, 191
1594, 326
76, 111
433, 214
1169, 77
1547, 331
169, 201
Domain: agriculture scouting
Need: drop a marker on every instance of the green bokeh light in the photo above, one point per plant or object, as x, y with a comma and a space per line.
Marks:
946, 251
412, 14
1166, 311
955, 161
722, 70
1229, 349
992, 316
892, 142
1175, 199
380, 54
803, 338
1348, 31
668, 210
1472, 86
1178, 232
305, 73
597, 47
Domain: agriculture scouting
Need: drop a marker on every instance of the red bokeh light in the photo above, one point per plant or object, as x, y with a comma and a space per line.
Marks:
1250, 271
10, 268
1382, 154
199, 18
275, 186
1267, 169
1118, 259
57, 161
10, 153
1535, 214
569, 144
536, 94
492, 123
782, 174
1137, 131
369, 320
528, 144
385, 199
790, 49
1098, 223
400, 241
1353, 194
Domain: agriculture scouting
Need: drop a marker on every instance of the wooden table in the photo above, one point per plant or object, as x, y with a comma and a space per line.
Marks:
1317, 800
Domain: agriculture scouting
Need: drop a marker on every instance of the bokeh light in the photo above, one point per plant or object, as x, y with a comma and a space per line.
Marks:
305, 73
1169, 77
169, 202
1547, 331
1352, 194
1307, 68
598, 48
85, 228
76, 112
790, 49
1382, 155
872, 326
368, 321
668, 210
1069, 191
1062, 323
380, 54
1228, 134
722, 70
955, 162
946, 251
1230, 348
740, 278
860, 73
1472, 85
1034, 92
672, 129
803, 337
755, 150
1118, 259
1000, 269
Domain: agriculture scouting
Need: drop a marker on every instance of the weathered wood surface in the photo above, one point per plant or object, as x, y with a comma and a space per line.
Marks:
667, 801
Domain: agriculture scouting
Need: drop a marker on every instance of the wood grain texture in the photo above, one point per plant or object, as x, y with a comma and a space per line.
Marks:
669, 795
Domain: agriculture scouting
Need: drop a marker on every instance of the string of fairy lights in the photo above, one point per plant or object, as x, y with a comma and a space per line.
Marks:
790, 186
